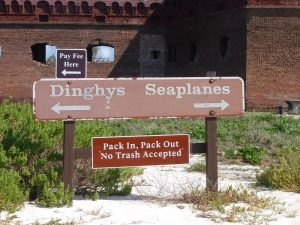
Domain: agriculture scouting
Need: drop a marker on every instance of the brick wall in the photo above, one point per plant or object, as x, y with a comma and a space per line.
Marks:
205, 33
18, 71
263, 47
273, 57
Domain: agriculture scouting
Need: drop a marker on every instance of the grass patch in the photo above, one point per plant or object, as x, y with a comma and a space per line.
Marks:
199, 167
284, 174
233, 205
55, 222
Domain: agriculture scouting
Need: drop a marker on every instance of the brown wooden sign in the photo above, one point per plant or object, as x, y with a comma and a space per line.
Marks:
74, 99
140, 151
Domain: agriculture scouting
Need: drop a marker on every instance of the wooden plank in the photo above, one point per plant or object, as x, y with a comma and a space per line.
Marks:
83, 153
212, 154
68, 166
197, 148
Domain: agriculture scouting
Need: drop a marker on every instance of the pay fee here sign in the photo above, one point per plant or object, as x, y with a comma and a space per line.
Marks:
71, 63
125, 151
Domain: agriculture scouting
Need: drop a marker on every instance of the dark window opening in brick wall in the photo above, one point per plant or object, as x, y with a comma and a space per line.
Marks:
174, 54
101, 8
28, 7
85, 8
128, 9
193, 52
141, 9
155, 12
72, 8
59, 7
43, 18
223, 48
155, 55
43, 53
43, 7
116, 8
3, 8
100, 19
15, 8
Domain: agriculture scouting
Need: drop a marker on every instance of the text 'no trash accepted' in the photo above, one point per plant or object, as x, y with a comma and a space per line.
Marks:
60, 99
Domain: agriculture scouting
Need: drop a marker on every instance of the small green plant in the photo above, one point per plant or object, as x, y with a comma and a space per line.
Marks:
249, 154
57, 196
253, 154
115, 181
54, 222
197, 167
11, 193
283, 175
232, 153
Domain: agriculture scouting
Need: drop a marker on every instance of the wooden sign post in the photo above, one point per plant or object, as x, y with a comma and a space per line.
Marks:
83, 99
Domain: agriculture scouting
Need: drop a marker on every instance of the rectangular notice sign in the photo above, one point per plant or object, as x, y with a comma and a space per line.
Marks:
110, 152
75, 99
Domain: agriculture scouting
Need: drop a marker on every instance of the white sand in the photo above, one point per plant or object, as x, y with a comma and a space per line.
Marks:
159, 182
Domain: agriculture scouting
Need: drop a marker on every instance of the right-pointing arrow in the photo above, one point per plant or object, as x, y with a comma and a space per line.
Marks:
223, 105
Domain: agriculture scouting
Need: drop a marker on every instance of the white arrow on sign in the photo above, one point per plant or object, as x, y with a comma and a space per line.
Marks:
65, 72
223, 105
57, 108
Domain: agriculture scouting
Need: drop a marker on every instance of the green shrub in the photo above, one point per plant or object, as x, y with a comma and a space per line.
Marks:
249, 154
11, 193
284, 175
253, 154
56, 196
231, 153
115, 181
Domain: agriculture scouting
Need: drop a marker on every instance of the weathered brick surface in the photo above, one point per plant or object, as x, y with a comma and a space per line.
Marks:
262, 44
273, 57
207, 32
263, 48
18, 71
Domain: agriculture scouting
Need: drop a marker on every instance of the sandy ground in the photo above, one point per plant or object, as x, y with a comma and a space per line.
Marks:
146, 204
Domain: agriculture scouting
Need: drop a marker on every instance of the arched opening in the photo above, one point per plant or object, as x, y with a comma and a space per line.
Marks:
155, 11
59, 7
85, 8
15, 8
128, 9
44, 7
193, 52
141, 9
3, 8
28, 7
101, 7
72, 7
116, 8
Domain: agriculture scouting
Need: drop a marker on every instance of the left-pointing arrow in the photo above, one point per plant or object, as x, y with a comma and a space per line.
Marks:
58, 108
65, 72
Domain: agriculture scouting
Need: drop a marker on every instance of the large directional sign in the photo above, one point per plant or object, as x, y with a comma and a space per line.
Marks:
71, 63
140, 150
75, 99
